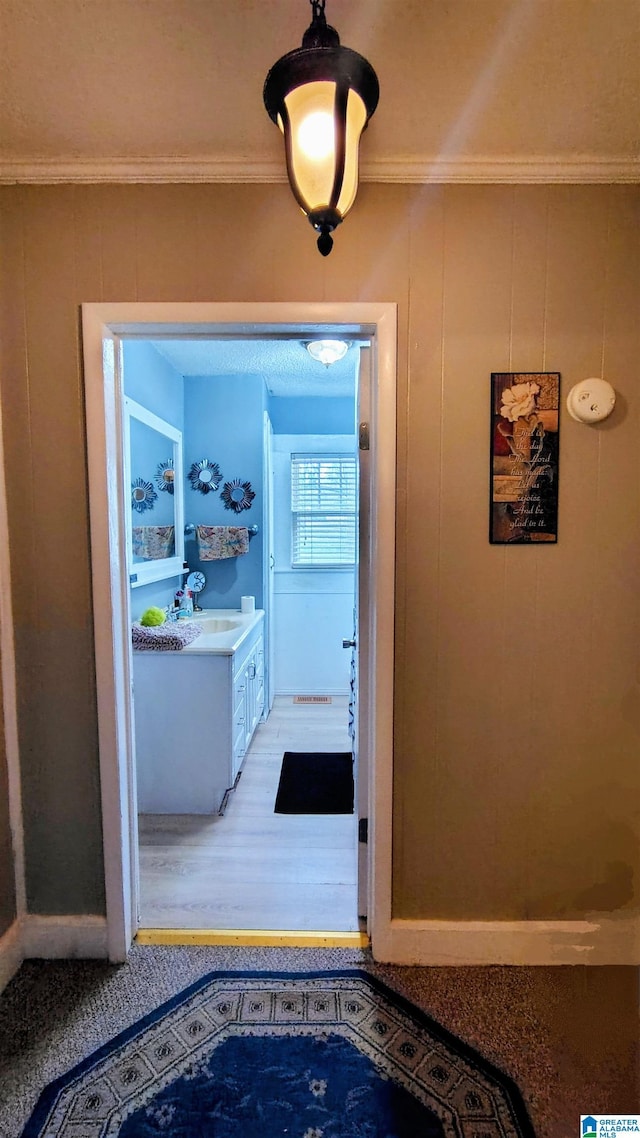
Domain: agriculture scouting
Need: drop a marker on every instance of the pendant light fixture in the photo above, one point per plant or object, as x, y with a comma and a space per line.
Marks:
322, 96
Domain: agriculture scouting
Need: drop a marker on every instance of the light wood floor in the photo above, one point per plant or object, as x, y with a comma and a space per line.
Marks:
251, 868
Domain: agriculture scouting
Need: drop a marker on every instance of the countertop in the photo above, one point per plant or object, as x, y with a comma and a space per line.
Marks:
220, 643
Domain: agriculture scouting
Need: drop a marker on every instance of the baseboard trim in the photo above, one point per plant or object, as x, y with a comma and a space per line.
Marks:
64, 938
10, 953
611, 941
288, 693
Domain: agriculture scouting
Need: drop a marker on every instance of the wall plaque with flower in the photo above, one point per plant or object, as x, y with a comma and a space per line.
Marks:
524, 457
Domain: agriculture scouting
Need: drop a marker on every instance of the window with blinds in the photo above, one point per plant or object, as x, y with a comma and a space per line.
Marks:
323, 510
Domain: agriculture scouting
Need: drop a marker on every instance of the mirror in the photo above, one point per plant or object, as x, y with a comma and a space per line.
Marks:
237, 495
165, 476
205, 476
153, 480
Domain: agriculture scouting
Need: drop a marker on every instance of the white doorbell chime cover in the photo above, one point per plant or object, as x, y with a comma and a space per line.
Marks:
591, 400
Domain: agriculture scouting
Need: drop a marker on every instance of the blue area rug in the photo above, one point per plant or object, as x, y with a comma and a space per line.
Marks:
301, 1055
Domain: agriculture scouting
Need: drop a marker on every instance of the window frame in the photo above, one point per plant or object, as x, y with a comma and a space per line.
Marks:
300, 457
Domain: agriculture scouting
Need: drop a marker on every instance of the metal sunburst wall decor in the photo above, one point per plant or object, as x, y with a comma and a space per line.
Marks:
237, 495
205, 476
142, 495
165, 476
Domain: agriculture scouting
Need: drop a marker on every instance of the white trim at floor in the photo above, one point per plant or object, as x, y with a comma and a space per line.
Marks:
611, 941
33, 937
10, 953
64, 937
290, 693
606, 941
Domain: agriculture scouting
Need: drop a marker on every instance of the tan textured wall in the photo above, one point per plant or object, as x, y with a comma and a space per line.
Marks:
7, 867
7, 872
517, 698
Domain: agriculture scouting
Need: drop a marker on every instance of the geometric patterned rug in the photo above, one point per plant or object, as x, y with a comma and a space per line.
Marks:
269, 1054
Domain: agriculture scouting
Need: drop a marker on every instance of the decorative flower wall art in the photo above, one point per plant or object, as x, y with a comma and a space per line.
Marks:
524, 457
142, 495
519, 401
205, 476
237, 495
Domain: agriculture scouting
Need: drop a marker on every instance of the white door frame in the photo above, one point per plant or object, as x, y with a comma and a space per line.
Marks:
104, 326
268, 560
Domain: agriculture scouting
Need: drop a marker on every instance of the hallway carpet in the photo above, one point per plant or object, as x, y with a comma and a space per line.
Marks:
331, 1054
567, 1036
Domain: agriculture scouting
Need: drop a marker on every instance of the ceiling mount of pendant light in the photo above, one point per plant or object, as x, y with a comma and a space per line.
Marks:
322, 96
327, 351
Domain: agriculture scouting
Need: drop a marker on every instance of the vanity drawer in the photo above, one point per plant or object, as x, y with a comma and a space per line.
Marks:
245, 652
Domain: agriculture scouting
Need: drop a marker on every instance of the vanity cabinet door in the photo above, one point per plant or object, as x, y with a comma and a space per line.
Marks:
259, 680
239, 728
248, 698
255, 687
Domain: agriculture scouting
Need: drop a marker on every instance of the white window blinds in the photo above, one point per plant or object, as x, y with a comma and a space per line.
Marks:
323, 510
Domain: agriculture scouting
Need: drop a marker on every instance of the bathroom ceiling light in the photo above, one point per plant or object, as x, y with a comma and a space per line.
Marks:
327, 351
322, 96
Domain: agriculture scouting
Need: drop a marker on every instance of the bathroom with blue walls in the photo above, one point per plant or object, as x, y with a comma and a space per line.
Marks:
222, 418
194, 712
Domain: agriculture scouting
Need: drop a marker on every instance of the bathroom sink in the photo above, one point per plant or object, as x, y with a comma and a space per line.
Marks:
218, 624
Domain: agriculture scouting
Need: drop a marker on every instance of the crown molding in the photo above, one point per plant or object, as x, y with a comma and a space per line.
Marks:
577, 169
523, 170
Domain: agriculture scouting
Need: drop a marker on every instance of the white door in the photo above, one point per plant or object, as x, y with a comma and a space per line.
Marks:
269, 563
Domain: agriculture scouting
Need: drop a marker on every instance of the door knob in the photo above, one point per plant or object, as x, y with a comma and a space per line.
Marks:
348, 643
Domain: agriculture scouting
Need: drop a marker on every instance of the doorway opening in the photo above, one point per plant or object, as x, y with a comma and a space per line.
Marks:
255, 829
107, 330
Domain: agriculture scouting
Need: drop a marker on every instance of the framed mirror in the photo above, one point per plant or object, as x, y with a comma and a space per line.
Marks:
154, 506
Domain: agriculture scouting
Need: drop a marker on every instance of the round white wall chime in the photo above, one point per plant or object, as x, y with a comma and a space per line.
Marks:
591, 400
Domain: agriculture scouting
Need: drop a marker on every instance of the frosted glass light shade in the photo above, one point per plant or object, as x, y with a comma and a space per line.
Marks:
311, 154
327, 351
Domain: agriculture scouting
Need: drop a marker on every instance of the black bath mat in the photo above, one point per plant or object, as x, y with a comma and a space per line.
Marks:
315, 783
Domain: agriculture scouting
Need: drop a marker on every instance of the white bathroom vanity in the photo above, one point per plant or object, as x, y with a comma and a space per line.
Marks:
195, 713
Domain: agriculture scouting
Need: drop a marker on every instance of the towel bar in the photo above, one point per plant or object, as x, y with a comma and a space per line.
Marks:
190, 529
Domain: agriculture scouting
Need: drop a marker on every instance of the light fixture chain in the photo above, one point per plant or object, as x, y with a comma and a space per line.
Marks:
317, 7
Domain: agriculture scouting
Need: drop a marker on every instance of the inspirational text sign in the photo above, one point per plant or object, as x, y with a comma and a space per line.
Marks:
524, 457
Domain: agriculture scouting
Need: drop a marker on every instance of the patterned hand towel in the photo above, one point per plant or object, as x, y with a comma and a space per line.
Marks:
164, 637
216, 542
153, 542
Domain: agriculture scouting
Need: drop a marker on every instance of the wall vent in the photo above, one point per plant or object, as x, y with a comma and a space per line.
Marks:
312, 699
